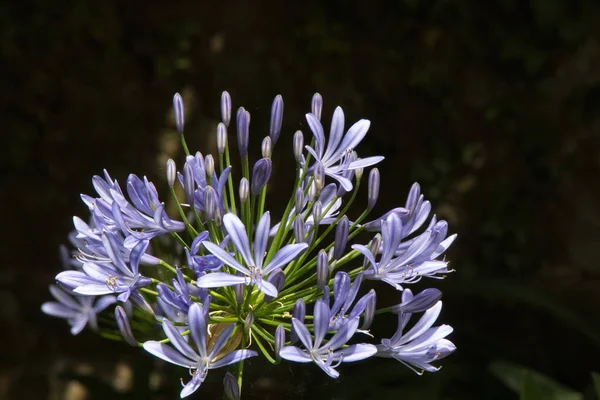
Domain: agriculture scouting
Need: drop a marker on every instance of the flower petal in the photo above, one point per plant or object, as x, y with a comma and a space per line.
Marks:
284, 256
321, 321
357, 352
293, 353
317, 130
59, 310
197, 325
225, 257
261, 237
177, 341
168, 354
219, 279
237, 233
233, 357
303, 333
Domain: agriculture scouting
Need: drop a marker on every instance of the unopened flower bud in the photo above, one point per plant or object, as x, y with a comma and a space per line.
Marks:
218, 218
221, 138
209, 166
124, 326
244, 190
369, 314
341, 237
188, 182
359, 173
373, 192
312, 191
248, 322
171, 172
277, 279
299, 200
279, 341
226, 108
276, 118
317, 105
210, 203
374, 246
298, 312
322, 270
178, 112
243, 131
239, 293
298, 146
266, 147
419, 303
260, 175
317, 212
299, 229
231, 388
319, 176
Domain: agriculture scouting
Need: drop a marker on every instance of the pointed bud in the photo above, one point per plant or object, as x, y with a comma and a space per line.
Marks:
312, 191
317, 212
178, 112
243, 131
279, 341
188, 182
209, 166
239, 293
419, 303
221, 138
248, 322
218, 219
298, 312
341, 237
210, 203
299, 200
373, 193
319, 176
369, 314
171, 172
359, 173
322, 270
298, 146
226, 108
244, 190
374, 246
260, 175
299, 229
276, 118
266, 147
231, 388
317, 105
124, 327
277, 279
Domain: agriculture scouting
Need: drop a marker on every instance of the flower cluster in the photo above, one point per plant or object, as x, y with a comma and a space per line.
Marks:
225, 275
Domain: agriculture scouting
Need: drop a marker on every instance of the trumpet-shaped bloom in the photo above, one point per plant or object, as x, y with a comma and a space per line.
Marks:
201, 360
79, 311
334, 156
422, 344
328, 355
344, 294
253, 273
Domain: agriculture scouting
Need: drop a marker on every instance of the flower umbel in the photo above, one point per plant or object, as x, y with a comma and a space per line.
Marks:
227, 278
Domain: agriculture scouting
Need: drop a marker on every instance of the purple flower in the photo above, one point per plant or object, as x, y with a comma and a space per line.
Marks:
198, 361
180, 297
326, 355
400, 263
333, 157
421, 345
344, 294
254, 273
79, 311
97, 278
201, 264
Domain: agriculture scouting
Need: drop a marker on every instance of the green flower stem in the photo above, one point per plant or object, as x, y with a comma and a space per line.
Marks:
189, 226
180, 240
270, 339
163, 263
274, 323
148, 291
230, 180
261, 347
184, 145
240, 370
383, 310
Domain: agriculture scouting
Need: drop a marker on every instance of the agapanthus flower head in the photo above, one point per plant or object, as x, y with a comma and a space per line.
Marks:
224, 274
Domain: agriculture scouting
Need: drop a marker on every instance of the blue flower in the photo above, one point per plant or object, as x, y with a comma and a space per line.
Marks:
422, 344
408, 263
339, 146
253, 273
201, 264
97, 278
180, 297
198, 361
327, 356
79, 311
344, 295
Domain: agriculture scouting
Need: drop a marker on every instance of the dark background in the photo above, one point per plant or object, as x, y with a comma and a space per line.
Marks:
492, 106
